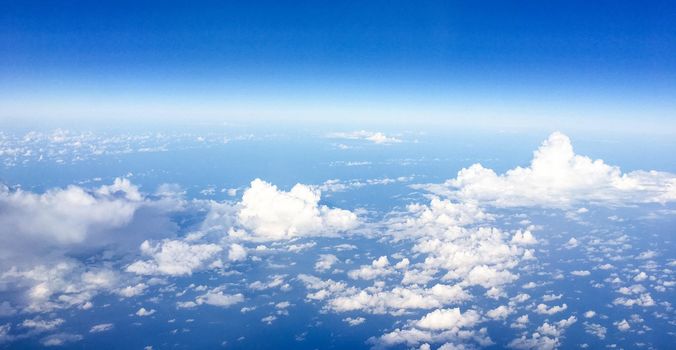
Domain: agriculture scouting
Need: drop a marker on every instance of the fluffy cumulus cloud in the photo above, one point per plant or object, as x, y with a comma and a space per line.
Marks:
547, 337
558, 177
268, 214
213, 297
174, 258
449, 326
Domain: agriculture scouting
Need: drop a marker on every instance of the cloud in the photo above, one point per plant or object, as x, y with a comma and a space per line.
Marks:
214, 297
40, 233
60, 339
325, 262
449, 326
269, 214
547, 337
500, 313
354, 321
375, 137
103, 327
378, 268
173, 257
142, 312
544, 310
31, 222
557, 177
40, 325
377, 300
237, 252
442, 319
65, 284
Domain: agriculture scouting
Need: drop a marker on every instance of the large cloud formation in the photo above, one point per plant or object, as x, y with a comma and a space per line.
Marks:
40, 234
269, 214
557, 177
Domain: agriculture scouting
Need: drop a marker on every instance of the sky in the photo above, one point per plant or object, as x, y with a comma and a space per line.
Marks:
337, 175
494, 64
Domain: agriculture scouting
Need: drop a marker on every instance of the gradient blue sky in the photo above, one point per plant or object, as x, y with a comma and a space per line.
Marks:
494, 63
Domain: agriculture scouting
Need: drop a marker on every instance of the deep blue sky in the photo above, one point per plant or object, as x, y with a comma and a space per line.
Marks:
520, 60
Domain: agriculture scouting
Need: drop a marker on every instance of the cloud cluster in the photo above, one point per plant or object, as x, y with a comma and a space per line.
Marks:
557, 177
449, 326
173, 258
266, 213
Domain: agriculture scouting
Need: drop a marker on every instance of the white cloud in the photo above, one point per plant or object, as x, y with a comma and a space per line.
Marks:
442, 319
580, 273
378, 268
132, 291
142, 312
218, 298
270, 214
500, 313
375, 137
523, 238
325, 262
596, 329
237, 252
354, 321
40, 325
60, 339
173, 257
37, 224
103, 327
543, 309
439, 326
622, 325
644, 300
65, 284
547, 336
557, 177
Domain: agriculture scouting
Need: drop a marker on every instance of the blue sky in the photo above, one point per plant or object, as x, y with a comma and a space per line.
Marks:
606, 64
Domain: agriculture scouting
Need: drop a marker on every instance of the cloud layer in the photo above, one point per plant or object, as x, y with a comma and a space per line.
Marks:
557, 177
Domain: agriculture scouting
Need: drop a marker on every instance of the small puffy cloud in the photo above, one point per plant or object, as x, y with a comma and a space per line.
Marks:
132, 291
325, 262
40, 325
580, 273
142, 312
354, 321
595, 329
103, 327
378, 268
375, 137
544, 310
547, 337
500, 313
237, 252
641, 276
60, 339
213, 297
271, 214
218, 298
622, 325
523, 238
173, 257
644, 300
557, 177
